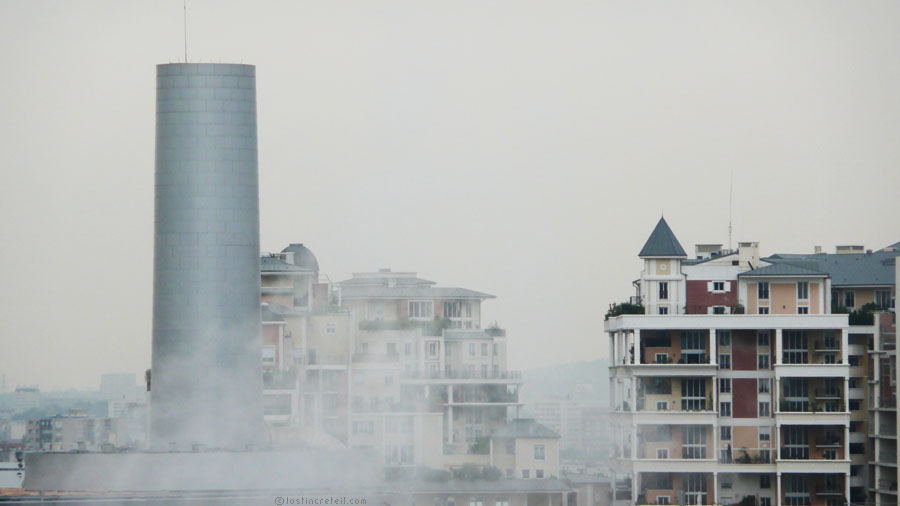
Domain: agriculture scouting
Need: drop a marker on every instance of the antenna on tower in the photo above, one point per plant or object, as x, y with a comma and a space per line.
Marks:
185, 31
730, 193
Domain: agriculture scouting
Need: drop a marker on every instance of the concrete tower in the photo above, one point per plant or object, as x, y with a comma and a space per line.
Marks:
206, 377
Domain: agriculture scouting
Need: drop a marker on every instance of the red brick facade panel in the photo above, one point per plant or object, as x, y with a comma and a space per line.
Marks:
700, 298
743, 397
743, 350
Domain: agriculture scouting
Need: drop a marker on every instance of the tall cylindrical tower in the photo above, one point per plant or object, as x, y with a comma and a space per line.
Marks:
206, 375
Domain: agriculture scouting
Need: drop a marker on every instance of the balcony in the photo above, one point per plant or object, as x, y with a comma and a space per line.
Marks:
464, 376
746, 456
376, 358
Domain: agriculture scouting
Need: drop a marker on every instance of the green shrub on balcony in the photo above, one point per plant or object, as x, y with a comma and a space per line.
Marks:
623, 308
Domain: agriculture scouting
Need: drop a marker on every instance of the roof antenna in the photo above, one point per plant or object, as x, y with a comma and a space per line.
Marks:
185, 31
730, 193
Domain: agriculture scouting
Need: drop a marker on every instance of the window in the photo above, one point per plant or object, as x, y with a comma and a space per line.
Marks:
693, 349
391, 348
764, 385
883, 299
502, 501
663, 310
538, 473
765, 481
762, 290
762, 338
511, 447
802, 310
407, 349
331, 328
764, 409
526, 474
854, 404
421, 309
693, 394
765, 433
725, 385
803, 290
663, 290
854, 360
851, 383
476, 501
725, 433
471, 349
661, 358
857, 448
796, 443
453, 309
763, 360
484, 349
718, 286
268, 354
762, 310
662, 453
662, 499
724, 361
693, 442
796, 392
724, 338
849, 298
725, 409
484, 370
830, 454
795, 347
765, 501
662, 405
718, 309
432, 349
496, 349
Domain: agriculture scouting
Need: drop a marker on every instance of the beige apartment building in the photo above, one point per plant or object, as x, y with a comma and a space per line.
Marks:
385, 361
744, 382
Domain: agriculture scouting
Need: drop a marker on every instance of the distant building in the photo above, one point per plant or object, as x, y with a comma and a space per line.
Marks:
526, 450
78, 433
25, 398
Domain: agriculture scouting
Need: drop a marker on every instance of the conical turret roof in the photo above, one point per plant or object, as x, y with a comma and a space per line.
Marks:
662, 243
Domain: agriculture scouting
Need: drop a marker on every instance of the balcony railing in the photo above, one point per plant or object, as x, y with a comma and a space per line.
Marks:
490, 375
746, 456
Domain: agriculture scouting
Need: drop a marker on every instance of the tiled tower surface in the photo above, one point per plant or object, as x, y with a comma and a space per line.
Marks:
206, 384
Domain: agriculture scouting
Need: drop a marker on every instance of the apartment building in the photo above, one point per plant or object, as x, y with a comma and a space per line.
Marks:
740, 384
385, 361
306, 351
77, 433
420, 349
525, 449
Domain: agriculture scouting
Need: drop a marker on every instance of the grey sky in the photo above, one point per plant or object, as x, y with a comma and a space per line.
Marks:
525, 149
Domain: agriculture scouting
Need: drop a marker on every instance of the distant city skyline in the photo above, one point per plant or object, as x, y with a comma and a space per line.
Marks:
521, 149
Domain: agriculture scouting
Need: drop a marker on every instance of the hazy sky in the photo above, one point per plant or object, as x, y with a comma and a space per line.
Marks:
521, 148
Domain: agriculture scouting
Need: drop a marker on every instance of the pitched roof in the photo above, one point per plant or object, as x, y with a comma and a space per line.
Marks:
853, 269
662, 243
524, 428
782, 269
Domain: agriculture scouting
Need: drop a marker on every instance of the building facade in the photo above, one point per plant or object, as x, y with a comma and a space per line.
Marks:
752, 385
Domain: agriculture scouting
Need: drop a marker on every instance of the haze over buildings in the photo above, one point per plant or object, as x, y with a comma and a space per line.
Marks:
513, 141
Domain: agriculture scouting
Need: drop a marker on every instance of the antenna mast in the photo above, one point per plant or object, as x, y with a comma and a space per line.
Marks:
730, 193
185, 31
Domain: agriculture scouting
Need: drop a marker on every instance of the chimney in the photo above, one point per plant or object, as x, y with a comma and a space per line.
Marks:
818, 250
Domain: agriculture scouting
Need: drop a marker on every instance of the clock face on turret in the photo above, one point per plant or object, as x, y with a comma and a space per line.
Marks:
663, 266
